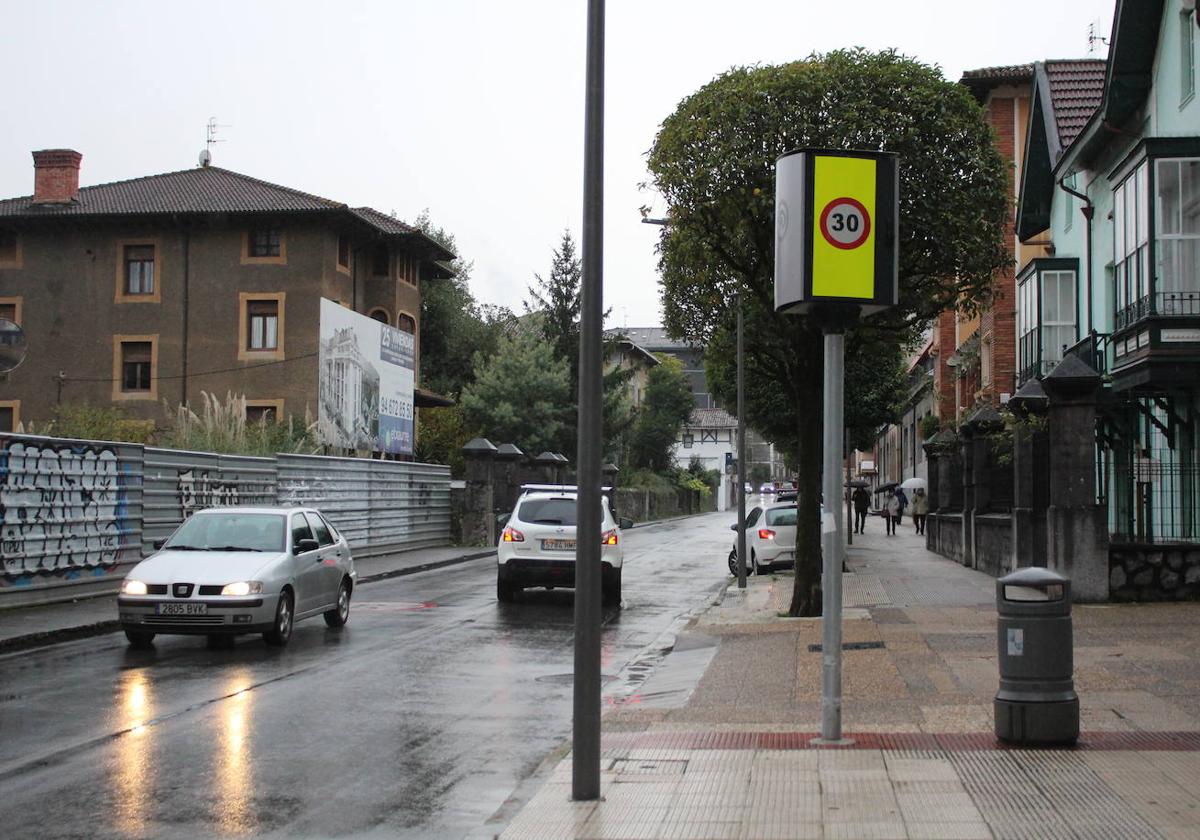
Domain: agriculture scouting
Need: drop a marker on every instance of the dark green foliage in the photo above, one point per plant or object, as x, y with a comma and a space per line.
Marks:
665, 408
713, 161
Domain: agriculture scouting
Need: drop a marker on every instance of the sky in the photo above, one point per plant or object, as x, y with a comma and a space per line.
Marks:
471, 110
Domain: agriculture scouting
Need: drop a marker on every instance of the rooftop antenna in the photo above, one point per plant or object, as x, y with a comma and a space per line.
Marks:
210, 138
1093, 38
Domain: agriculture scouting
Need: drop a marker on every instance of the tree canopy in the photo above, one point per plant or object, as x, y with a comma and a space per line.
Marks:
714, 162
666, 406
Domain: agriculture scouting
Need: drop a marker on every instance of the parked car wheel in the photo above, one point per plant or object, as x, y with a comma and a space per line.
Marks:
281, 633
610, 588
139, 640
339, 615
506, 593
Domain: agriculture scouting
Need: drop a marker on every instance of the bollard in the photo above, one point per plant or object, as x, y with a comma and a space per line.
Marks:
1036, 703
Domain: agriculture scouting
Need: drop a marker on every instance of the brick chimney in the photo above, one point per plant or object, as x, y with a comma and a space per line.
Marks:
56, 176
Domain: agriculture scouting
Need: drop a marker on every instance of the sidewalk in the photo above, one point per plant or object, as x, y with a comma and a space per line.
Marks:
43, 624
726, 753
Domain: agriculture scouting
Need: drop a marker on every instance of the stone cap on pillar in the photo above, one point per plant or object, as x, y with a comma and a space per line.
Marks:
1072, 377
546, 459
561, 458
1030, 398
983, 419
610, 469
943, 441
508, 452
479, 448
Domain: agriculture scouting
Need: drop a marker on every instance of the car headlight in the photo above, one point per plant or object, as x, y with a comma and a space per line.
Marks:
133, 587
242, 587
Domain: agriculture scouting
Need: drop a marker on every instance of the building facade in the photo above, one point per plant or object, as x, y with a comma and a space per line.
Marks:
147, 291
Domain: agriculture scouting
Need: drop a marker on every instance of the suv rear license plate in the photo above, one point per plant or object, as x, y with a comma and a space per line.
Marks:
181, 609
558, 545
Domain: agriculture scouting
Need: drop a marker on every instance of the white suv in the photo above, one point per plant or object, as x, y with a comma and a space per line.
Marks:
537, 545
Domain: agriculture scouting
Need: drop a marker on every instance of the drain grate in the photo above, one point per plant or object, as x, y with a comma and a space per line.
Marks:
850, 646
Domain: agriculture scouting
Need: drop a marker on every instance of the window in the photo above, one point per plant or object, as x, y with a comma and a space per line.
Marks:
264, 242
320, 529
752, 516
139, 269
263, 411
10, 415
380, 315
261, 325
262, 317
1187, 56
136, 366
380, 262
300, 529
1058, 314
10, 250
1046, 307
343, 252
688, 440
406, 323
1131, 251
1177, 240
10, 310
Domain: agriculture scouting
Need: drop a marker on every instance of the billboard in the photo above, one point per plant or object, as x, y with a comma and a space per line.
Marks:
366, 382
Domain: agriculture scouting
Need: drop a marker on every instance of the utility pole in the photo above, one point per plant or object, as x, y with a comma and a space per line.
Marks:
741, 444
585, 765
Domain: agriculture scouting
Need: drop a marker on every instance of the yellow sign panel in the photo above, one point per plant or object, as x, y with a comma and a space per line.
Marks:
843, 240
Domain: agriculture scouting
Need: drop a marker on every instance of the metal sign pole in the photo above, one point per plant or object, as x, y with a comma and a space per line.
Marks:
585, 765
831, 543
741, 445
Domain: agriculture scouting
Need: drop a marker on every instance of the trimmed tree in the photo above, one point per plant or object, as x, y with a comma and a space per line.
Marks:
665, 408
714, 160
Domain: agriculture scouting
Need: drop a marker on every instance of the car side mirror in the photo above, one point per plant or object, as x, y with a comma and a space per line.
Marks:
733, 527
158, 544
304, 546
625, 523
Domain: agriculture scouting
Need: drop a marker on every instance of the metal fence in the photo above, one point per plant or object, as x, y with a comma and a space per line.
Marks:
75, 512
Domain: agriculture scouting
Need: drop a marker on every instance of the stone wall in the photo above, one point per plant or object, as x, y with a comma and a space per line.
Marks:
993, 543
1154, 572
944, 535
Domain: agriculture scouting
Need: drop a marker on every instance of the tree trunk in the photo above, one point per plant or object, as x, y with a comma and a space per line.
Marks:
806, 595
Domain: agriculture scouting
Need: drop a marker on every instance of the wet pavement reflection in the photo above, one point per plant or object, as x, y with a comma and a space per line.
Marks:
419, 719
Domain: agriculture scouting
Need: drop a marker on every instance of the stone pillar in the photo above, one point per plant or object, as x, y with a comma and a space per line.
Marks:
966, 468
562, 472
547, 464
1029, 405
1076, 526
978, 458
507, 477
479, 522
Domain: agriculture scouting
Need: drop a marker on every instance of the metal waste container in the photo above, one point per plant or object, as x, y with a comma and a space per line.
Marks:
1036, 703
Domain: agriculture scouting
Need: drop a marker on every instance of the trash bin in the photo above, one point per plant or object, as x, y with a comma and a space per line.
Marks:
1036, 703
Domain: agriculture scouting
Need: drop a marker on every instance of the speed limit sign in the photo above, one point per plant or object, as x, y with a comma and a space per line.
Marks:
845, 223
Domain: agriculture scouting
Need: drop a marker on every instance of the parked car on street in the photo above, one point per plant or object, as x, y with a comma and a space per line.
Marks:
537, 545
770, 539
230, 571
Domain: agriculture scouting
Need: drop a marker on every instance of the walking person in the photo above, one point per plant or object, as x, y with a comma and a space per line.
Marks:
862, 504
920, 509
891, 512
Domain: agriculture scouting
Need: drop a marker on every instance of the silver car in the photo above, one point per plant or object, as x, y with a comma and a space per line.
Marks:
228, 571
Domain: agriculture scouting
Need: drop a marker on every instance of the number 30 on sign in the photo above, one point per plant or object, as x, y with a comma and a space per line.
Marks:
845, 223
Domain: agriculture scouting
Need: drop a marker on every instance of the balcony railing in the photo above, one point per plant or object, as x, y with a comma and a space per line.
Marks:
1158, 305
1093, 349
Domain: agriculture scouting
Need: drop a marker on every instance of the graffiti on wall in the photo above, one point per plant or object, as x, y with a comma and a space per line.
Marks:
203, 491
62, 508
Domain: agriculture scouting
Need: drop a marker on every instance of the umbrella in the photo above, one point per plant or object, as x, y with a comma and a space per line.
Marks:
883, 488
913, 483
858, 482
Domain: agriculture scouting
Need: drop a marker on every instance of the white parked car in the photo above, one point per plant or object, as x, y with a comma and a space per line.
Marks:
537, 545
770, 539
228, 571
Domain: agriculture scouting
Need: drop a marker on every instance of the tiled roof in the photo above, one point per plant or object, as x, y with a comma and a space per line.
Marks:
980, 81
382, 221
1076, 90
207, 189
652, 338
711, 418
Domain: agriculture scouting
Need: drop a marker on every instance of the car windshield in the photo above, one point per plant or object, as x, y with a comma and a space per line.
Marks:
229, 532
547, 511
781, 516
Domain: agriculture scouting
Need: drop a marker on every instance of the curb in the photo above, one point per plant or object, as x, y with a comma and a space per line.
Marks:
44, 638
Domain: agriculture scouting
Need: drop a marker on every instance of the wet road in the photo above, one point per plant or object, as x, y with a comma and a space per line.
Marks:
419, 719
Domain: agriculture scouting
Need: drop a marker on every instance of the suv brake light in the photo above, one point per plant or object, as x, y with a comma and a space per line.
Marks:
512, 535
766, 534
608, 538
